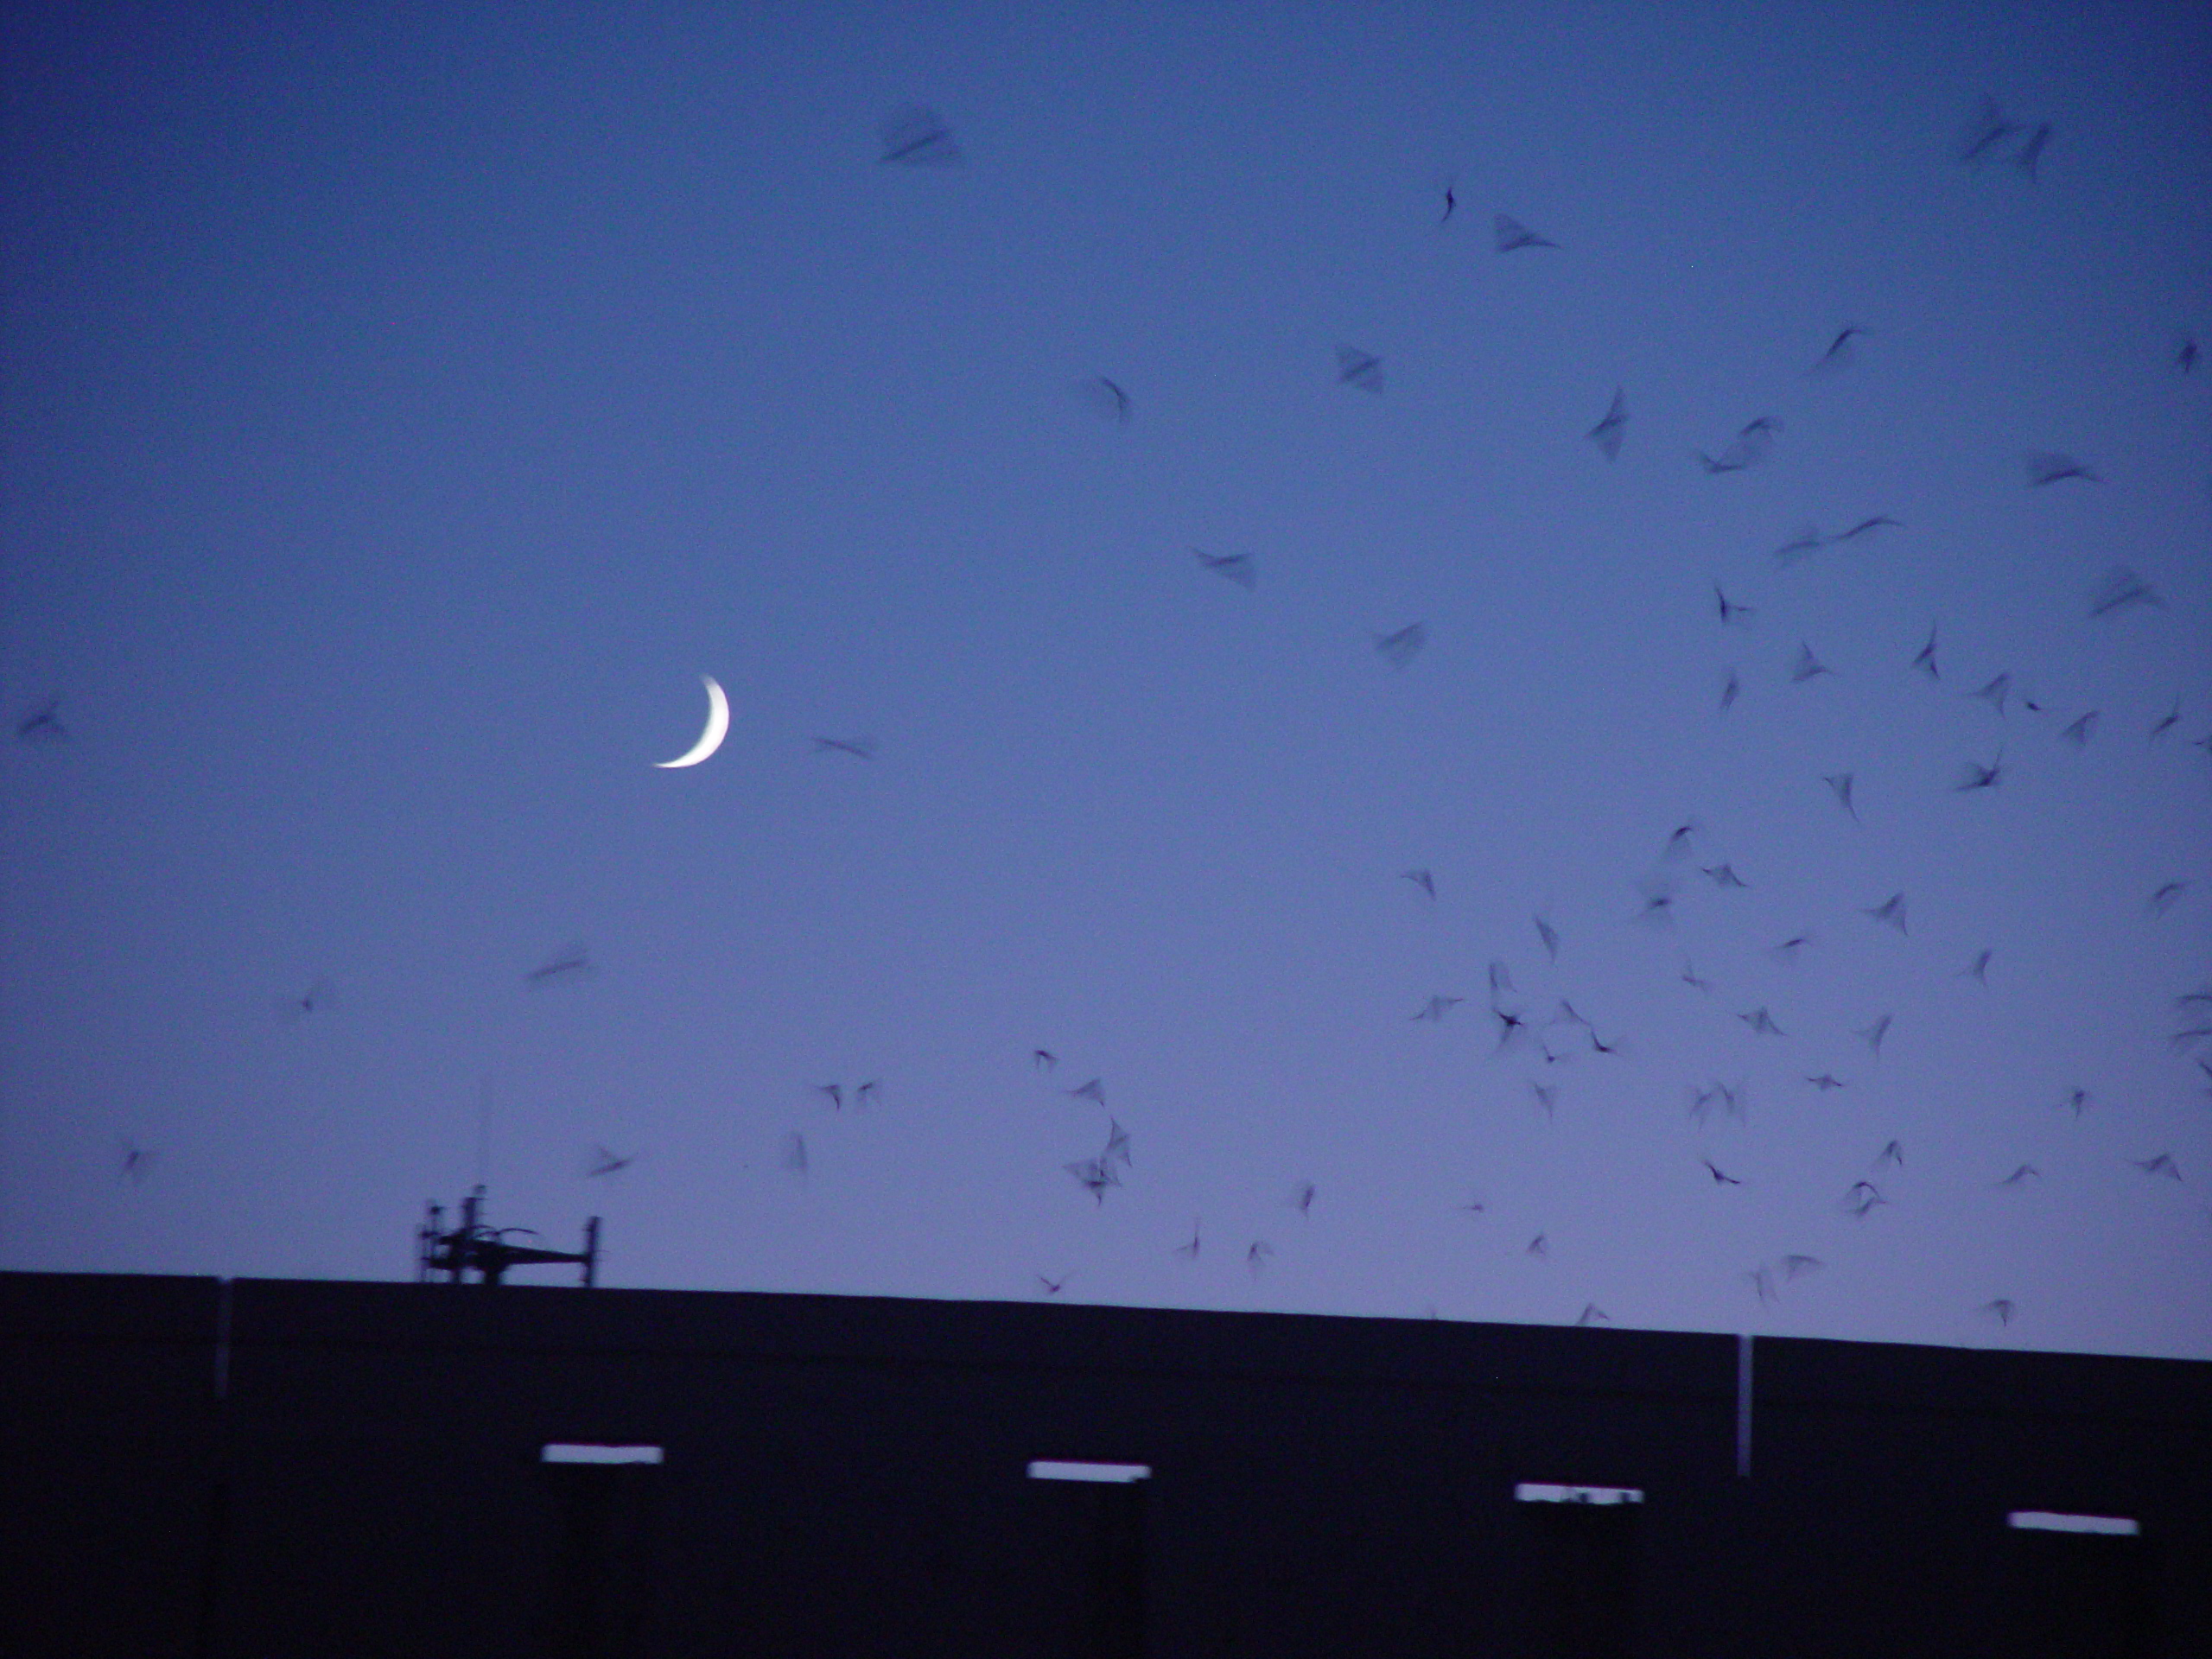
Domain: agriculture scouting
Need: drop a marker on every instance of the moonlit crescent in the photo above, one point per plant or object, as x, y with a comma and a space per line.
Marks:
717, 729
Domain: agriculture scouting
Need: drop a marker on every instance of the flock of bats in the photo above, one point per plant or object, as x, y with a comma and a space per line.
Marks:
917, 137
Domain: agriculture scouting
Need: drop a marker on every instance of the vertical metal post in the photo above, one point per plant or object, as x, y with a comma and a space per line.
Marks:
1743, 1407
591, 1251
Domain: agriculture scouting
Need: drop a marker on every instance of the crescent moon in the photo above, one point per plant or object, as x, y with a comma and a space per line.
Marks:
717, 729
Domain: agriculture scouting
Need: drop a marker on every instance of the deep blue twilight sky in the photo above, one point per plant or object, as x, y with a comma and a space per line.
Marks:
405, 405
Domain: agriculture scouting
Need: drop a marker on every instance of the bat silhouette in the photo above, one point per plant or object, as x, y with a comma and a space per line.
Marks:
1891, 910
2171, 719
605, 1163
1400, 648
2163, 899
2162, 1165
2121, 588
1094, 1091
1995, 692
2021, 1176
1301, 1197
1233, 567
1988, 129
1437, 1007
1110, 399
868, 1092
1796, 1267
1539, 1246
1762, 1022
43, 724
1925, 662
1730, 691
834, 1093
1977, 969
1724, 875
2030, 154
1720, 1178
1546, 1096
1748, 449
571, 963
1051, 1286
795, 1153
1841, 783
1690, 977
1043, 1060
860, 748
1358, 368
1826, 1081
1839, 354
2078, 1099
1974, 775
1593, 1315
1728, 608
2078, 733
134, 1164
2185, 353
1549, 935
913, 136
1188, 1252
1420, 879
1094, 1175
1807, 540
1892, 1153
1609, 432
1862, 1198
1867, 526
1511, 234
317, 997
1117, 1146
1256, 1258
1808, 666
2049, 466
2001, 1310
1873, 1036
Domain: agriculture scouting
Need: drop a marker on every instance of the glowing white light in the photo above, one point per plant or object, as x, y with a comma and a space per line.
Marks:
1121, 1472
2044, 1521
565, 1453
1530, 1491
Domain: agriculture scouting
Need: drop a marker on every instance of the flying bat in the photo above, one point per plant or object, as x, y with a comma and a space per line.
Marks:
1891, 910
604, 1163
1188, 1252
1400, 648
1808, 666
1762, 1022
43, 724
1511, 235
571, 963
1873, 1036
1841, 783
1111, 400
1608, 433
1839, 354
1719, 1179
2049, 466
1358, 368
2121, 588
1925, 662
915, 137
860, 748
1420, 879
1728, 608
1233, 567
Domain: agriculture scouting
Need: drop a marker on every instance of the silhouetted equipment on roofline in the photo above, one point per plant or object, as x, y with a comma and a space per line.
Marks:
474, 1246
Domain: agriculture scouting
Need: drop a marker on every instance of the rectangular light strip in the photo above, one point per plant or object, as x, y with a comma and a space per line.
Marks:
1530, 1491
602, 1454
1120, 1472
2044, 1521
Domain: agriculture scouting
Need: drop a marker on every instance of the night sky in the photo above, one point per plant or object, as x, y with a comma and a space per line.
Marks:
405, 406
